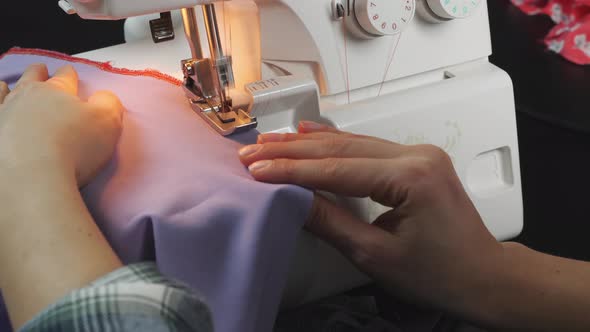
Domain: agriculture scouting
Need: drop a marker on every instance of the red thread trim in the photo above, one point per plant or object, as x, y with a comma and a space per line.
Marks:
105, 66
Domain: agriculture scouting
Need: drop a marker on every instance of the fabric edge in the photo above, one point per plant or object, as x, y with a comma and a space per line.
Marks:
104, 66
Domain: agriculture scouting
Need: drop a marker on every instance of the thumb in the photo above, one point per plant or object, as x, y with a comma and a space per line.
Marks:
4, 91
107, 101
356, 239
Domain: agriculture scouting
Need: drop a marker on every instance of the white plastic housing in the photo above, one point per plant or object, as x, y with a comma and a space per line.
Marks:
118, 9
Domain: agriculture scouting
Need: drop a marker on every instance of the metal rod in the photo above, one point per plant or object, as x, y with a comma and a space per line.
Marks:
212, 31
191, 30
216, 49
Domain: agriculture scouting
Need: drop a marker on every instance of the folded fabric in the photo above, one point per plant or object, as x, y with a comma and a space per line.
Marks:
176, 193
570, 37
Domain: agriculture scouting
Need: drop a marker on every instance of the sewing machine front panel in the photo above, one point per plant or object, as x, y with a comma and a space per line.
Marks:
299, 33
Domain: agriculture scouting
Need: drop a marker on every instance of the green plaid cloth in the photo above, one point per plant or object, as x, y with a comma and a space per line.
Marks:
133, 298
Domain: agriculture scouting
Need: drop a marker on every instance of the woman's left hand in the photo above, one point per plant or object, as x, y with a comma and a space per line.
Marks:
44, 125
51, 143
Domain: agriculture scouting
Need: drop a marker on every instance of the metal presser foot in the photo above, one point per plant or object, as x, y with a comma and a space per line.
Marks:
200, 86
225, 123
207, 81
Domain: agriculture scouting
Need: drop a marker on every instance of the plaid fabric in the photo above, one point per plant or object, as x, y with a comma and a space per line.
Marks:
134, 298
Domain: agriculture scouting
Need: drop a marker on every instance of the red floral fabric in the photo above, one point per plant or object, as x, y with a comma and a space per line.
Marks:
570, 36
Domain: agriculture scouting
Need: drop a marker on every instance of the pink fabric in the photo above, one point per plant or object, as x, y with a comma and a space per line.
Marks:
570, 37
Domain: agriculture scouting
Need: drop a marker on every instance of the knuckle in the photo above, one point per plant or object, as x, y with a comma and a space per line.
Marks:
334, 146
417, 170
28, 88
425, 172
435, 154
107, 117
332, 167
285, 167
28, 85
318, 213
290, 137
366, 251
266, 149
60, 83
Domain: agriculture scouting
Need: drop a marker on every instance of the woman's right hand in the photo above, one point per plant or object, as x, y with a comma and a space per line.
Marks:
432, 246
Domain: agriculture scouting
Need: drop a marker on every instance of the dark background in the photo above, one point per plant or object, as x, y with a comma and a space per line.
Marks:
552, 100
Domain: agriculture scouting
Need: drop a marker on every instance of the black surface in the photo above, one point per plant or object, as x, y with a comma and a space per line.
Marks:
42, 24
546, 86
555, 168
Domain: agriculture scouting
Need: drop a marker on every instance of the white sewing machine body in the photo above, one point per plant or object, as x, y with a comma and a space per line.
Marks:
431, 83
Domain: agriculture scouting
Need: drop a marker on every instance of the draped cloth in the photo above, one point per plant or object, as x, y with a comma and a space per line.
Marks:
176, 193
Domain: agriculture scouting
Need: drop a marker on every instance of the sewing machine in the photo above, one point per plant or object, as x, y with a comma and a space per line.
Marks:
410, 71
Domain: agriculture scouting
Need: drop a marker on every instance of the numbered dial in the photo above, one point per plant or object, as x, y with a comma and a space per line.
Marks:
451, 9
384, 17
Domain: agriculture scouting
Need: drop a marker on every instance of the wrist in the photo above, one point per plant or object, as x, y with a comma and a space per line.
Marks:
21, 171
479, 294
504, 284
27, 182
45, 226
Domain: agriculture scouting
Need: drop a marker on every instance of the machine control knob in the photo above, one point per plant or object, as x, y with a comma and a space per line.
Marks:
444, 10
375, 18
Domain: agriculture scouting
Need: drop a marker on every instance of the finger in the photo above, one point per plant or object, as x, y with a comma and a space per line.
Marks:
4, 91
65, 79
34, 73
308, 127
311, 127
380, 179
276, 137
332, 147
288, 137
107, 102
357, 240
314, 134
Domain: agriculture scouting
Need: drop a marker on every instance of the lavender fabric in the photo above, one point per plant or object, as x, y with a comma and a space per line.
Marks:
175, 192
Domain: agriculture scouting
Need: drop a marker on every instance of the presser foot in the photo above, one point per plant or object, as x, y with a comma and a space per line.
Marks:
226, 123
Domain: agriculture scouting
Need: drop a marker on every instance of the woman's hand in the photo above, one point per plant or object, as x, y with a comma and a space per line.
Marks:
51, 143
44, 125
432, 246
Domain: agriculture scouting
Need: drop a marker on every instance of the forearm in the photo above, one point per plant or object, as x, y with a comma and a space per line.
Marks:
49, 244
539, 292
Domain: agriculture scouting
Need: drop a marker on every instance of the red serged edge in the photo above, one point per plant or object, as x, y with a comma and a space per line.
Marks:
105, 66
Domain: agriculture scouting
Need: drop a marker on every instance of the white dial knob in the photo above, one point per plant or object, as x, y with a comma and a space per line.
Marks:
383, 17
451, 9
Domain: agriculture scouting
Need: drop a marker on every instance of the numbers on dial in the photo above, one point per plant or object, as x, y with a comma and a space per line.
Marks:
451, 9
384, 17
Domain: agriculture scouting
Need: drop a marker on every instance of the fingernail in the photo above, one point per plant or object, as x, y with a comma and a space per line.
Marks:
310, 125
259, 165
271, 137
249, 149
